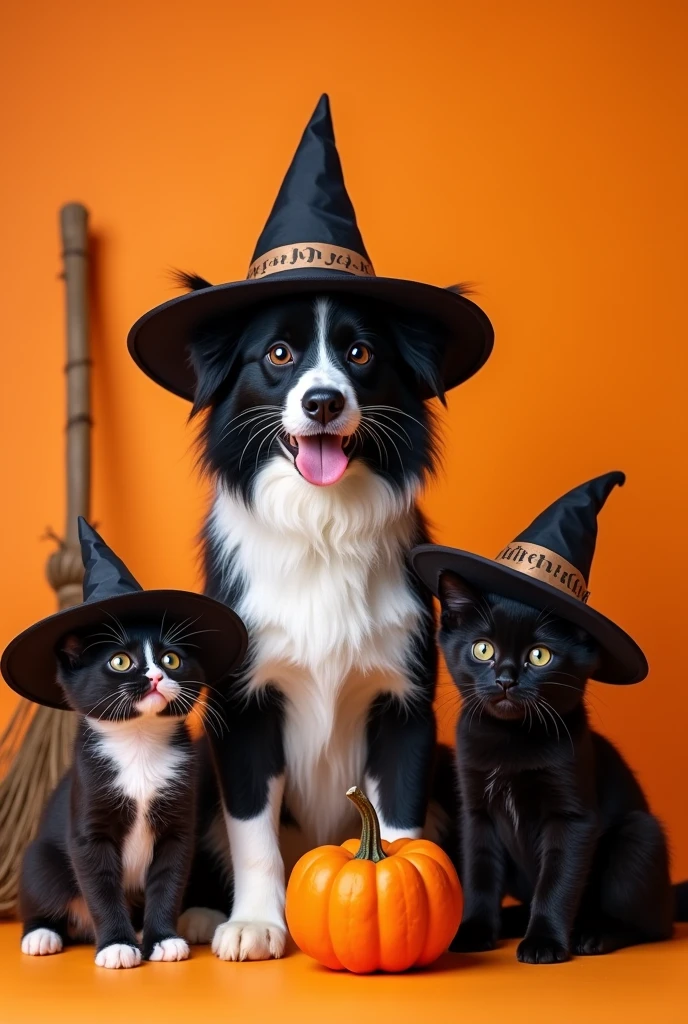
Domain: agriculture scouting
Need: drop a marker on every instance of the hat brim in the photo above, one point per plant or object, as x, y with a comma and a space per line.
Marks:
622, 662
158, 340
28, 662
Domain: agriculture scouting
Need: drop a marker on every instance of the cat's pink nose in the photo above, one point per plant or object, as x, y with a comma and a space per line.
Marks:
155, 678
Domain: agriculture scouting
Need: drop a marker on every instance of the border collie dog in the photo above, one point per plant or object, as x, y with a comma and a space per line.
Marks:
318, 440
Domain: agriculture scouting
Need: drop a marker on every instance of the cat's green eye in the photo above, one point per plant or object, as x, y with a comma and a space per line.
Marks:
483, 650
171, 660
539, 656
120, 662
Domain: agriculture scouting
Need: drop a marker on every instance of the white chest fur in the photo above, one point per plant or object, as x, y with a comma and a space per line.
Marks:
145, 765
331, 617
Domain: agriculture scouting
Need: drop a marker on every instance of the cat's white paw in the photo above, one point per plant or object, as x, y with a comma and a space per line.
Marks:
170, 950
249, 940
198, 925
41, 942
118, 955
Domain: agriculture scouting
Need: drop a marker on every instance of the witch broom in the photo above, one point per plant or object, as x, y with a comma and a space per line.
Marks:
36, 747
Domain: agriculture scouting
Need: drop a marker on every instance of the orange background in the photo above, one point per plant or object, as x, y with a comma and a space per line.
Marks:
535, 149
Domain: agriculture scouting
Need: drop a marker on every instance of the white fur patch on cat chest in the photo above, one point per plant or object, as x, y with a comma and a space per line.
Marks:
145, 765
137, 853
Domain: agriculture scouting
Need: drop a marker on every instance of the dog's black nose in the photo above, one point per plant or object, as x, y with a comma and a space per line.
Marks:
322, 404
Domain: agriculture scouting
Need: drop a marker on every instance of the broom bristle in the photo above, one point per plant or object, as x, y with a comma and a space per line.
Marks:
35, 751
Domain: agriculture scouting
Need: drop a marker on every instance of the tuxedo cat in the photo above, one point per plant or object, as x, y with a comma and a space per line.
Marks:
118, 832
550, 812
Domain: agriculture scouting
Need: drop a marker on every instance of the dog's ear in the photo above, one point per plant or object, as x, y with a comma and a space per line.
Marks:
214, 354
456, 596
422, 345
188, 279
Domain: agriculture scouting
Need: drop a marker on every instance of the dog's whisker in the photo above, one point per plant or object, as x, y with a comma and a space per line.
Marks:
256, 433
403, 434
394, 409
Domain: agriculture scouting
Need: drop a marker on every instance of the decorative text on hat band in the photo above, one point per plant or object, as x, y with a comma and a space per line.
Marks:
545, 565
310, 255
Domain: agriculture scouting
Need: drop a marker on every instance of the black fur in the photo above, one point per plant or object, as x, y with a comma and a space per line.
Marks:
78, 850
550, 812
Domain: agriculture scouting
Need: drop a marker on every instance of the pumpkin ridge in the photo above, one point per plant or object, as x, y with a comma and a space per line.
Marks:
403, 903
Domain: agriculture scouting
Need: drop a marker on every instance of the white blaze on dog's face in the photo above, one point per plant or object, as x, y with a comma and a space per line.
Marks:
321, 411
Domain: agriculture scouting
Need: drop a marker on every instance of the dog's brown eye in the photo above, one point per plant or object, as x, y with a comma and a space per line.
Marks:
279, 355
359, 354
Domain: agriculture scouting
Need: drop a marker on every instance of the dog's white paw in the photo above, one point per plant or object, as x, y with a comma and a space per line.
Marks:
118, 955
41, 942
198, 925
170, 950
249, 940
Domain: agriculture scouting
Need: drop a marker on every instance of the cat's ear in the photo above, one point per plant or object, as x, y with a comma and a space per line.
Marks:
214, 357
69, 651
456, 596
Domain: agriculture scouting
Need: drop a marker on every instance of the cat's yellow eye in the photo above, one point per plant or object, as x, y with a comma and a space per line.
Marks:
483, 650
280, 355
359, 354
539, 656
120, 662
171, 660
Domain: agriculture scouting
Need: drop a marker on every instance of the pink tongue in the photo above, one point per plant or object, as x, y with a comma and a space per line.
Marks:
320, 458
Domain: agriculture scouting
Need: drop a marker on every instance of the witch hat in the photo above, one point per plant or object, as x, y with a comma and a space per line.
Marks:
548, 566
310, 244
28, 662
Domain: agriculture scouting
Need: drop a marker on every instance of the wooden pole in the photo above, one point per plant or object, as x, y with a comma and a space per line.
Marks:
64, 569
36, 748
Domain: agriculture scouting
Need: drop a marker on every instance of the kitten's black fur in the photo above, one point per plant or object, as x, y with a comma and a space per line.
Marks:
79, 848
550, 812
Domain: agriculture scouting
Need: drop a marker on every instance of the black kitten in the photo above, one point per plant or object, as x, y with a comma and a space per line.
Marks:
120, 825
550, 812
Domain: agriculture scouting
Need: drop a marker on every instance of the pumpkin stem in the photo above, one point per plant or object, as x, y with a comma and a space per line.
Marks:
371, 846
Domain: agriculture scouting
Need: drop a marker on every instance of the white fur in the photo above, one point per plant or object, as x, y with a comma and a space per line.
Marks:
41, 942
325, 373
169, 950
118, 955
331, 616
145, 766
198, 925
255, 931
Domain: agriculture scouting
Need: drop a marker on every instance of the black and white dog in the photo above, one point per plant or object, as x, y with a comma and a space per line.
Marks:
318, 441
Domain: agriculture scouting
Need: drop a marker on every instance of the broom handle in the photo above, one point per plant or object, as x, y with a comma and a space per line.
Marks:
74, 226
64, 568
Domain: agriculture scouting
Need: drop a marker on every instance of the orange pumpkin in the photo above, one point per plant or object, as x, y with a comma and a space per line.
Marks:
372, 905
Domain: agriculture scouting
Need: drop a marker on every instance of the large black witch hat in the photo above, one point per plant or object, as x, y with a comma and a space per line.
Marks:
28, 662
548, 566
311, 243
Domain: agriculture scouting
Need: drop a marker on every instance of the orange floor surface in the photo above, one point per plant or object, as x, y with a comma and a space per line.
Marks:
648, 984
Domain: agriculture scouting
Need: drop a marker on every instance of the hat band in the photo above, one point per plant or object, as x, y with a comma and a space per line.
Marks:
546, 565
313, 255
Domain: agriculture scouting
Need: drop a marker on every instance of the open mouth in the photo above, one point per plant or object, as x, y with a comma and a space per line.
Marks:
321, 459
